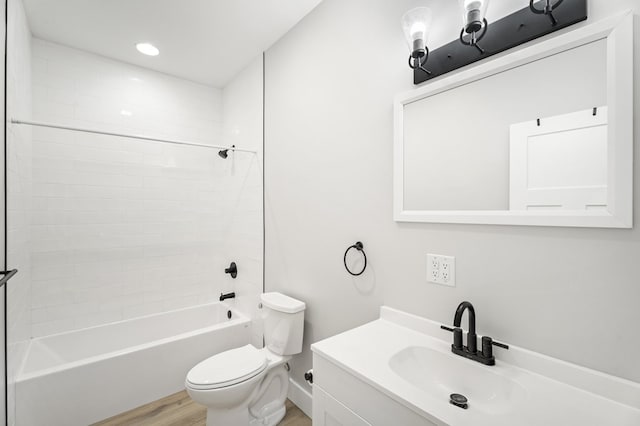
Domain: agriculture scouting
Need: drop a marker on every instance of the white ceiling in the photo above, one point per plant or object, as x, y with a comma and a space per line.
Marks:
208, 41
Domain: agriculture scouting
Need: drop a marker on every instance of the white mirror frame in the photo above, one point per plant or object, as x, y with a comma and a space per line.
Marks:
618, 33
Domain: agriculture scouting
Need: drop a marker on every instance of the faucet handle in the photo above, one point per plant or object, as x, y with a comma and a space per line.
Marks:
457, 335
500, 345
487, 346
488, 341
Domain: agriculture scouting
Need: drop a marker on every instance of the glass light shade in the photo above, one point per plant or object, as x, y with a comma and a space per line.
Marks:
415, 24
473, 14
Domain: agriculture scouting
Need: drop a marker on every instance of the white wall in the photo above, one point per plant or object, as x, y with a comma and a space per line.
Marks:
330, 82
242, 127
122, 227
19, 189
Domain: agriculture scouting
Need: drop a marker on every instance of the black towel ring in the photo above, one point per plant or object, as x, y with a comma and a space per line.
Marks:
358, 246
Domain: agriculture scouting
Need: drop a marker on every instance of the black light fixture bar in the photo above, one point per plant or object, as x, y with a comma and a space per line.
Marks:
511, 31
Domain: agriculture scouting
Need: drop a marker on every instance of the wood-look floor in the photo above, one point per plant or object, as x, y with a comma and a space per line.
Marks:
179, 410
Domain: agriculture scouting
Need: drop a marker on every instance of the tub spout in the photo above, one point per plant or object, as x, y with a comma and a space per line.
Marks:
227, 296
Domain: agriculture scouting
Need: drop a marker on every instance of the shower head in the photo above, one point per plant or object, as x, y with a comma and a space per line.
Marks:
224, 153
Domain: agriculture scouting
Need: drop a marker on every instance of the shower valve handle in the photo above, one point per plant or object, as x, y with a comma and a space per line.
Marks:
232, 270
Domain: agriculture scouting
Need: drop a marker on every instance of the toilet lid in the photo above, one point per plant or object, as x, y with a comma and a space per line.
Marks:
227, 368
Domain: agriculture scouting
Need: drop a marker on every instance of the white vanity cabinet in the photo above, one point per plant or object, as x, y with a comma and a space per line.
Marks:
327, 411
342, 399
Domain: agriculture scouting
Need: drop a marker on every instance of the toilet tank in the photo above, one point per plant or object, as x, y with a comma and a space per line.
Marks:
283, 323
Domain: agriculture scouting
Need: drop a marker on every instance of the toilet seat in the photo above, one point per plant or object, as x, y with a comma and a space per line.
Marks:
227, 368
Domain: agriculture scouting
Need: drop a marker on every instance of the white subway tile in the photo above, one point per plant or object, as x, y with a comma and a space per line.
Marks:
119, 227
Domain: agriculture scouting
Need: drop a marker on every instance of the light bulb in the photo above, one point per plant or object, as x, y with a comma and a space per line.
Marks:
473, 14
472, 4
418, 30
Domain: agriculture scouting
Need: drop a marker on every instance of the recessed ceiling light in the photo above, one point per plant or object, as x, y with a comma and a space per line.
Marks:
147, 49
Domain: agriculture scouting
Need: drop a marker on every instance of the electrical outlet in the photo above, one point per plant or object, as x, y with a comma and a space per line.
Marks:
434, 275
441, 269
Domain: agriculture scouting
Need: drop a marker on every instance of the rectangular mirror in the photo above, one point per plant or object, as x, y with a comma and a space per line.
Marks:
541, 136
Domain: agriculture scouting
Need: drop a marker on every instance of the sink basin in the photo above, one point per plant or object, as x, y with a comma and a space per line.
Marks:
441, 374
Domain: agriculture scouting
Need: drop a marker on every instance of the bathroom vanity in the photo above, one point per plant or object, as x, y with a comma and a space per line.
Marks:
399, 370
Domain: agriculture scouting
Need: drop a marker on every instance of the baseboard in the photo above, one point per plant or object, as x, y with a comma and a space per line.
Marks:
300, 397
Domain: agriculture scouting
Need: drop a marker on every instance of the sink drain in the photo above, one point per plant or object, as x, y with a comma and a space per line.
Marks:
459, 400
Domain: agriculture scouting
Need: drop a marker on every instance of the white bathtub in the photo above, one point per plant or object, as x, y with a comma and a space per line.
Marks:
84, 376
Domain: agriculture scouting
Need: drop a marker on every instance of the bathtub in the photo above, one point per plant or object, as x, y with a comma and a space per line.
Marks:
81, 377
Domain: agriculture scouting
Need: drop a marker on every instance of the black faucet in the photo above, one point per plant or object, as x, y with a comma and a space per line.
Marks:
227, 296
472, 343
471, 350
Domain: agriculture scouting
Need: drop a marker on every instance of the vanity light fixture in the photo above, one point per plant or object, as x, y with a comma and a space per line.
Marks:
474, 23
415, 24
539, 18
147, 49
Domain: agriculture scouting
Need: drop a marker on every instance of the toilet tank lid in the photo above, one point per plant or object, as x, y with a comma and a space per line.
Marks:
281, 303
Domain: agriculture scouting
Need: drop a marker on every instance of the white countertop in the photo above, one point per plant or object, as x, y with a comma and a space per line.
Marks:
583, 397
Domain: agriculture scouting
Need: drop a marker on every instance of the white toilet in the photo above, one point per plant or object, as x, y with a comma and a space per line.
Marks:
248, 386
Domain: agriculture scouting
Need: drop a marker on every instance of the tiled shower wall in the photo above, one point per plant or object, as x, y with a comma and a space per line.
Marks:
120, 227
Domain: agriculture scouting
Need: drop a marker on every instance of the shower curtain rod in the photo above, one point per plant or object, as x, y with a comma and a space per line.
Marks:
124, 135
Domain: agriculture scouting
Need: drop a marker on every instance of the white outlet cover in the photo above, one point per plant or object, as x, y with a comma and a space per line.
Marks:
441, 269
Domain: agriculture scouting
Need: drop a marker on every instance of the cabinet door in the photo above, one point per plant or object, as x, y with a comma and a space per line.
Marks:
329, 412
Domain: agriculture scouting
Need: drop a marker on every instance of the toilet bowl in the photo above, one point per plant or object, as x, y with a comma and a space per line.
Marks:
248, 386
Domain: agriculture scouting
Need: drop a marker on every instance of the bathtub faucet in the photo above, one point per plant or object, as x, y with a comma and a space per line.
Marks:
227, 296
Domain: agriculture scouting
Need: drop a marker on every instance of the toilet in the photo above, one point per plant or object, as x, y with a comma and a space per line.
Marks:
248, 386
